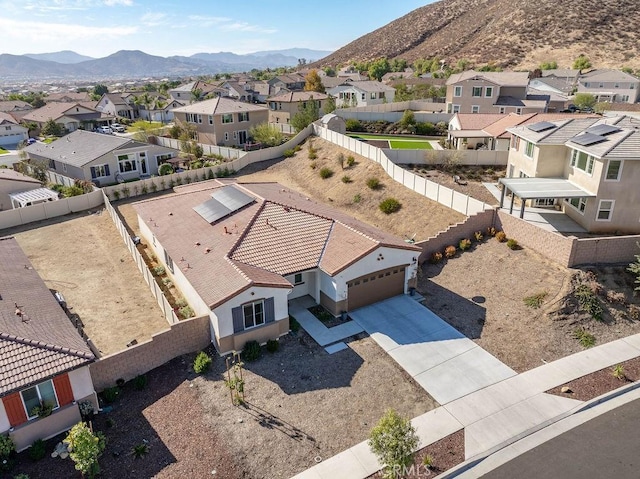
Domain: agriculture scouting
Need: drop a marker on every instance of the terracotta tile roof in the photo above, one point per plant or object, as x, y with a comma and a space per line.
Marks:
295, 96
226, 257
498, 129
478, 121
218, 106
40, 343
55, 110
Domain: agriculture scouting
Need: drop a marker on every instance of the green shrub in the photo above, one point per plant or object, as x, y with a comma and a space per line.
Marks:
167, 282
618, 372
512, 244
535, 301
288, 153
251, 351
393, 441
202, 363
389, 205
465, 244
478, 236
273, 345
313, 155
37, 450
501, 236
450, 251
186, 312
140, 382
357, 198
374, 183
181, 303
585, 338
346, 179
111, 394
126, 192
165, 169
491, 231
340, 160
588, 301
326, 173
140, 450
297, 148
350, 161
353, 125
159, 270
7, 447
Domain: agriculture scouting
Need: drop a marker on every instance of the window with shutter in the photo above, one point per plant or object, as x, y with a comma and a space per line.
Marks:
238, 319
14, 409
269, 310
63, 389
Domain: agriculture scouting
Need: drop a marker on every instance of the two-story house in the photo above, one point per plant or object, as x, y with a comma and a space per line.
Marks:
11, 132
222, 121
284, 105
291, 81
613, 86
589, 167
195, 91
362, 93
491, 92
16, 108
115, 105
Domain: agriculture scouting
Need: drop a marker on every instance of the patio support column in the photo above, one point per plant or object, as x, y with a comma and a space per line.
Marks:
522, 208
513, 198
502, 194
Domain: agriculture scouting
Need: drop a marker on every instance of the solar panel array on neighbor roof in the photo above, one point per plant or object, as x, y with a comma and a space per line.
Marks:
541, 126
586, 139
224, 201
603, 130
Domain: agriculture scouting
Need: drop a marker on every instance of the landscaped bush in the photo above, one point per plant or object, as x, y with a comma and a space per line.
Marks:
501, 236
478, 236
140, 450
346, 179
589, 302
585, 338
512, 244
535, 301
37, 450
350, 161
326, 173
165, 169
201, 363
294, 325
288, 153
181, 303
618, 372
312, 154
140, 382
436, 257
374, 183
465, 244
7, 447
491, 231
389, 205
110, 394
159, 270
450, 251
186, 312
251, 351
357, 198
273, 345
353, 125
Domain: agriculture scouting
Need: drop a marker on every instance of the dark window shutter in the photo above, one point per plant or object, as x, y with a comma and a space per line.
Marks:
14, 409
93, 172
106, 170
238, 320
269, 311
63, 389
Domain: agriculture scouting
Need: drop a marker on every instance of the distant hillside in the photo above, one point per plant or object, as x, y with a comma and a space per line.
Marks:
137, 64
65, 56
509, 33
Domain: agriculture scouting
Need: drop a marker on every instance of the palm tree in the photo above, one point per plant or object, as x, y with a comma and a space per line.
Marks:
159, 105
144, 100
196, 93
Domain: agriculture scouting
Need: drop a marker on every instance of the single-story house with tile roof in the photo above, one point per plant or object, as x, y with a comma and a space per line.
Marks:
43, 359
13, 182
71, 116
16, 108
285, 104
11, 132
239, 251
99, 158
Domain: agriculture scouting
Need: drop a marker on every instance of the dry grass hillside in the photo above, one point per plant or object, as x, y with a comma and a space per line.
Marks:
418, 215
509, 33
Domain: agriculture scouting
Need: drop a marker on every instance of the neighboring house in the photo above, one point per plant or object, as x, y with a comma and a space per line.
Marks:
261, 91
160, 110
466, 130
284, 105
239, 252
222, 121
43, 358
362, 93
11, 132
551, 85
613, 86
291, 81
567, 75
113, 104
101, 159
13, 182
389, 77
238, 91
593, 162
72, 116
194, 91
555, 102
490, 92
68, 97
16, 108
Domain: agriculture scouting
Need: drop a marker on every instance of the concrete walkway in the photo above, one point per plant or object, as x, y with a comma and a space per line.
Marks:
443, 361
495, 416
299, 309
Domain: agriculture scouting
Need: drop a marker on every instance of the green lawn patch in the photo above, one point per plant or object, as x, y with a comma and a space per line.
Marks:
410, 145
49, 140
3, 151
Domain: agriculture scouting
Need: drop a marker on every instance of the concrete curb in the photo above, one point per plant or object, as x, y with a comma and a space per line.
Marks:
472, 462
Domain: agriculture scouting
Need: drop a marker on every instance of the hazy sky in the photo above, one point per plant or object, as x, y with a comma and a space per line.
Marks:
171, 27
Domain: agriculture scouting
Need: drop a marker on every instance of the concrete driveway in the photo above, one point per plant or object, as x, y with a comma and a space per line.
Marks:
444, 362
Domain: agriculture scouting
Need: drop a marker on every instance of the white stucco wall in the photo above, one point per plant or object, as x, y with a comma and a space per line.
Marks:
4, 420
81, 383
308, 285
222, 313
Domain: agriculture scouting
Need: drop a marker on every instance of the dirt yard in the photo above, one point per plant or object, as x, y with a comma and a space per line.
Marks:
482, 293
302, 406
84, 258
418, 216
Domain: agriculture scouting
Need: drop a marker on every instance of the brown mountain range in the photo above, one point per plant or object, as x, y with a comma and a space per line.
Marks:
510, 33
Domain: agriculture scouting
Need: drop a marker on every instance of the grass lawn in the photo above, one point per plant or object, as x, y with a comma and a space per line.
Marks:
49, 140
3, 151
397, 142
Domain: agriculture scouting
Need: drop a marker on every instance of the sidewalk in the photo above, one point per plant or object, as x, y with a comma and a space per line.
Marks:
494, 416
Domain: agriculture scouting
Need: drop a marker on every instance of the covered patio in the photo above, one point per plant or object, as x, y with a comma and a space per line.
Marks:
539, 188
32, 197
470, 139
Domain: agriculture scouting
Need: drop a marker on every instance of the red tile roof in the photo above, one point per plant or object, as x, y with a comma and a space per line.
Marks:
282, 232
40, 342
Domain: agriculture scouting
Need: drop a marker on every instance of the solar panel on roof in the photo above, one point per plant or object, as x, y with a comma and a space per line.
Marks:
603, 130
541, 126
586, 139
231, 197
212, 210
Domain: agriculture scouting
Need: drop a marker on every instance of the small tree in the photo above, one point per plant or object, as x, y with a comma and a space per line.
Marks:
581, 63
584, 100
266, 134
393, 440
313, 82
408, 119
330, 104
307, 114
634, 268
52, 128
85, 449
